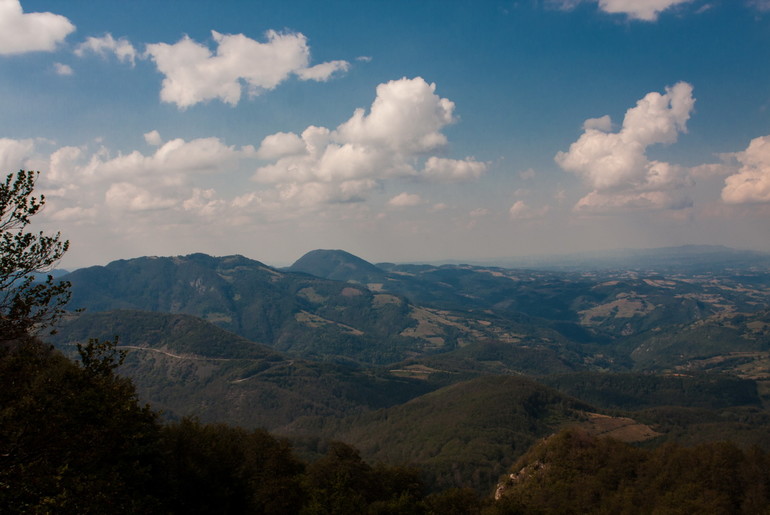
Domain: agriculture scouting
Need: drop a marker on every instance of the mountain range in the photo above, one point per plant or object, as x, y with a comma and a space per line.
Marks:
458, 368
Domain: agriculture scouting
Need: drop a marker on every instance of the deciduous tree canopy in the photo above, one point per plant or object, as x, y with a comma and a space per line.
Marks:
27, 304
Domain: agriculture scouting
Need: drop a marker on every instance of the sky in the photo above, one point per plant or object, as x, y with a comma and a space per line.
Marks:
397, 130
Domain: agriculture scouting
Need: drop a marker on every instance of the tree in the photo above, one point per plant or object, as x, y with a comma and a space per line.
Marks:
27, 304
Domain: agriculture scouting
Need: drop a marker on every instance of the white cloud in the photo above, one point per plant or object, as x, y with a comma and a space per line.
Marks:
441, 169
406, 117
121, 48
193, 74
324, 71
603, 124
200, 155
168, 183
752, 182
405, 200
128, 197
480, 212
616, 164
402, 127
62, 69
645, 10
30, 32
205, 203
79, 182
714, 169
520, 210
14, 154
598, 202
441, 206
281, 144
153, 138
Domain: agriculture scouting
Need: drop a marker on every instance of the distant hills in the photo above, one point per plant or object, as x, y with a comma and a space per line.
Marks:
457, 368
683, 257
326, 307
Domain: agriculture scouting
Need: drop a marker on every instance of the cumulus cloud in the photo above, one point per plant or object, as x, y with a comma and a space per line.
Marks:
402, 127
281, 144
603, 123
194, 74
79, 181
15, 153
751, 184
199, 155
616, 166
405, 200
168, 183
30, 32
121, 48
452, 169
129, 197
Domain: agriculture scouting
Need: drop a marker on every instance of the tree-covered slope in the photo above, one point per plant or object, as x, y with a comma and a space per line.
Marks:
465, 434
572, 472
186, 366
306, 315
287, 311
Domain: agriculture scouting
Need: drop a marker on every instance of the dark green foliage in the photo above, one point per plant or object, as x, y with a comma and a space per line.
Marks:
633, 391
454, 501
26, 304
188, 367
293, 312
744, 426
341, 483
465, 434
72, 439
575, 473
223, 469
714, 336
494, 357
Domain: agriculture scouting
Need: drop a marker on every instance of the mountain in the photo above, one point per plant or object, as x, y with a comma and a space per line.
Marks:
308, 316
186, 366
583, 320
291, 312
338, 265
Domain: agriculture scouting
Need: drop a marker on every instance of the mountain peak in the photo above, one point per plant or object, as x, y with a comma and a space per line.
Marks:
338, 265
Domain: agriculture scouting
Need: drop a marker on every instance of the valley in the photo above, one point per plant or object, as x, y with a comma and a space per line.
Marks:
457, 369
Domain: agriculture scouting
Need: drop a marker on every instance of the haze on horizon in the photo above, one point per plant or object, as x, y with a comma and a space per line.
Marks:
397, 131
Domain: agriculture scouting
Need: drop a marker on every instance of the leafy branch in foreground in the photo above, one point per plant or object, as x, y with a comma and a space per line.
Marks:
27, 304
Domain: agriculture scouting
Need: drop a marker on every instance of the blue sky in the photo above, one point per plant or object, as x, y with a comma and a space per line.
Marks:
399, 131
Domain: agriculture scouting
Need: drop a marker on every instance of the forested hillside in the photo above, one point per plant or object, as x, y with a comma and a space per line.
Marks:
456, 369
